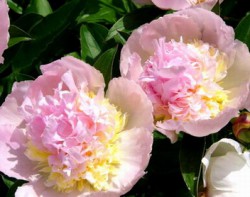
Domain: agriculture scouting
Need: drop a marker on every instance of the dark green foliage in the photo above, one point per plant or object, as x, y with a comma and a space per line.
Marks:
95, 30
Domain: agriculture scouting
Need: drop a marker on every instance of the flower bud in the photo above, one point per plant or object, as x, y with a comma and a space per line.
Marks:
241, 127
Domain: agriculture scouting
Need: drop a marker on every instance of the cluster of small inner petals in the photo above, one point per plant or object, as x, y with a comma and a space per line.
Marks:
183, 80
73, 139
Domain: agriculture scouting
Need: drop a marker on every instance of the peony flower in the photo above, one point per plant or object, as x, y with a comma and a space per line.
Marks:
226, 170
183, 4
66, 138
4, 27
241, 127
179, 4
192, 69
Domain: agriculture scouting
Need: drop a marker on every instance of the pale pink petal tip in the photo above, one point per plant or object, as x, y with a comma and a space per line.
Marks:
4, 28
183, 4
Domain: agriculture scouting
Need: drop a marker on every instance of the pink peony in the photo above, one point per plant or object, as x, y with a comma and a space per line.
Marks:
180, 4
4, 27
192, 69
183, 4
66, 138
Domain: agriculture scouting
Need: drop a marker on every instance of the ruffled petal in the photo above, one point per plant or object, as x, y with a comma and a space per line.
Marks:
83, 73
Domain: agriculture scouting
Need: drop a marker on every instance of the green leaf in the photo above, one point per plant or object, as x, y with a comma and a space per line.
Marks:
92, 41
7, 83
158, 135
141, 16
41, 7
27, 21
16, 40
45, 33
115, 29
16, 31
96, 11
17, 35
242, 31
14, 187
15, 7
216, 8
129, 22
128, 5
74, 54
163, 177
8, 181
105, 63
191, 153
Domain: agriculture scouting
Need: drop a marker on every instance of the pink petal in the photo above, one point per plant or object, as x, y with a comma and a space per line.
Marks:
136, 146
209, 28
37, 188
4, 27
183, 4
83, 73
131, 100
13, 161
170, 4
9, 110
212, 27
205, 127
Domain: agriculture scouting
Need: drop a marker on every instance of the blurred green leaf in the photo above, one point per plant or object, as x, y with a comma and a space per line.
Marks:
105, 63
128, 5
13, 188
16, 40
8, 181
126, 24
115, 29
92, 41
27, 21
163, 177
227, 7
44, 33
15, 7
216, 8
97, 11
158, 135
41, 7
16, 31
74, 54
17, 35
141, 16
242, 31
191, 153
